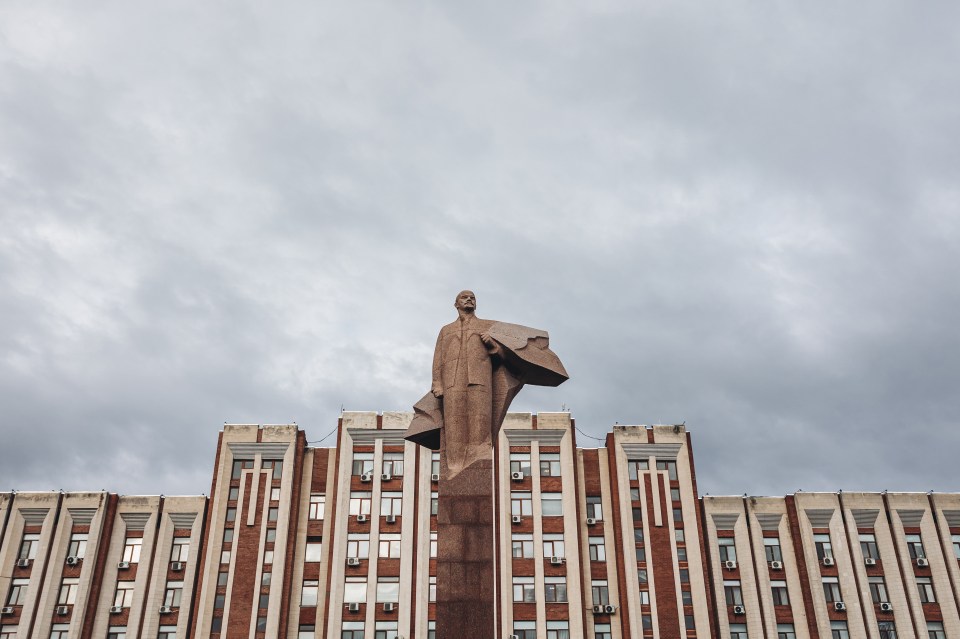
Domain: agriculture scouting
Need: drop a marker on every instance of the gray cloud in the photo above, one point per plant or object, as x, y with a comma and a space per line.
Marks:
745, 220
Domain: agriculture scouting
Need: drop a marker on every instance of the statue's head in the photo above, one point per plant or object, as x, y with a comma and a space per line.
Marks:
466, 301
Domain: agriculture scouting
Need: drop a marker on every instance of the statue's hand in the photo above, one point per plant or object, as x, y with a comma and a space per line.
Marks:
492, 347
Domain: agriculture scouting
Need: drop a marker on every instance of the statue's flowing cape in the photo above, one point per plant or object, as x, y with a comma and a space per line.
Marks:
526, 359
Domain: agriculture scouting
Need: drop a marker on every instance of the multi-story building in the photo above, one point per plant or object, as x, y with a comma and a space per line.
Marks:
603, 543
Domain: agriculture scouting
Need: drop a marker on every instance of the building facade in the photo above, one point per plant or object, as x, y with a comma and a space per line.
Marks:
604, 543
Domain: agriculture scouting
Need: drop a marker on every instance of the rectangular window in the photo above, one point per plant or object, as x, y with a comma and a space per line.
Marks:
670, 467
432, 589
115, 632
602, 630
522, 545
597, 550
780, 595
274, 494
595, 508
935, 630
956, 545
771, 547
521, 504
728, 551
391, 504
434, 503
68, 591
433, 543
555, 589
355, 590
28, 546
18, 592
868, 546
878, 590
306, 632
180, 550
174, 592
549, 464
558, 630
644, 597
523, 590
520, 463
62, 631
553, 545
678, 514
831, 589
390, 546
393, 464
385, 630
358, 545
732, 592
838, 630
435, 463
915, 546
240, 465
124, 595
552, 504
317, 506
78, 545
888, 630
785, 630
601, 592
351, 630
314, 550
233, 494
689, 622
686, 596
362, 463
738, 631
525, 629
388, 589
635, 467
359, 503
309, 593
925, 586
823, 546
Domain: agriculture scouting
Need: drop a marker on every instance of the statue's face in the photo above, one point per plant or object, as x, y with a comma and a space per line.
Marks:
466, 301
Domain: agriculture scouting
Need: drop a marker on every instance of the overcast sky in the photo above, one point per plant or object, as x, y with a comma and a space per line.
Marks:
745, 218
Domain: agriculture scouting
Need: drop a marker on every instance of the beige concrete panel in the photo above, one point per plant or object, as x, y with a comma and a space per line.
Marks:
286, 433
29, 507
864, 501
943, 504
359, 419
405, 605
398, 420
518, 421
570, 522
338, 553
621, 494
582, 551
559, 421
719, 506
505, 574
538, 572
376, 490
300, 548
609, 533
422, 514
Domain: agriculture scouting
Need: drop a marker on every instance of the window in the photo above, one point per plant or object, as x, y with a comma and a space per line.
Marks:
274, 494
520, 463
728, 551
523, 591
317, 506
635, 467
222, 578
231, 514
525, 629
362, 463
549, 464
732, 592
180, 549
314, 550
227, 535
388, 589
779, 591
602, 630
309, 593
306, 632
432, 589
28, 546
878, 590
434, 503
594, 508
115, 632
553, 545
433, 543
359, 503
771, 546
597, 550
239, 465
391, 504
351, 630
271, 535
888, 630
935, 630
385, 630
390, 545
674, 494
689, 622
522, 545
131, 549
686, 597
679, 536
393, 464
552, 504
637, 515
634, 494
233, 494
555, 589
824, 549
265, 579
8, 632
684, 575
642, 576
738, 631
925, 585
124, 595
224, 556
61, 631
355, 590
868, 546
681, 553
435, 463
431, 630
956, 545
78, 545
68, 591
558, 630
18, 592
785, 631
521, 504
358, 545
831, 589
678, 514
670, 467
838, 630
268, 556
915, 546
172, 596
638, 535
273, 513
601, 592
641, 554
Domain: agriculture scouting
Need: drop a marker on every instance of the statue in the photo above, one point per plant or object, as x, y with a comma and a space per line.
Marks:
479, 366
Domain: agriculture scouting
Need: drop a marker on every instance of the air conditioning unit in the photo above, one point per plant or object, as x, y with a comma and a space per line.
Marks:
165, 610
923, 562
353, 561
123, 565
608, 609
730, 565
839, 606
518, 476
739, 610
353, 607
63, 610
6, 610
885, 607
23, 563
391, 519
389, 606
598, 609
116, 610
556, 561
516, 519
869, 561
776, 565
73, 561
828, 561
361, 518
435, 477
176, 566
386, 477
366, 477
591, 521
